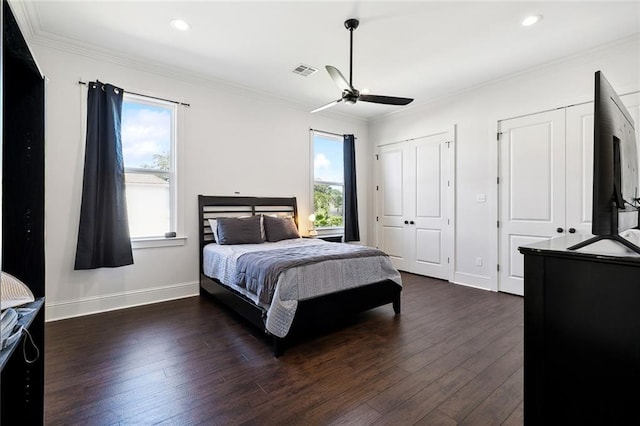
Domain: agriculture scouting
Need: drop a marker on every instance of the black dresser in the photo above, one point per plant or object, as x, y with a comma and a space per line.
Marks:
581, 335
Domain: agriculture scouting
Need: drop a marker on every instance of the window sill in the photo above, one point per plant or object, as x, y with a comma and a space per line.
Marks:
335, 230
333, 238
153, 242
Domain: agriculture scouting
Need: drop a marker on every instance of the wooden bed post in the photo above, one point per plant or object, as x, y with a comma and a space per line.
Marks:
396, 303
278, 346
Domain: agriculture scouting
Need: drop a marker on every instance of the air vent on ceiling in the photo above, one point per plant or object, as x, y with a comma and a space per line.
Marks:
304, 70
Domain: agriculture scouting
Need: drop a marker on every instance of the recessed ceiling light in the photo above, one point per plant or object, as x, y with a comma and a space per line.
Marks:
530, 20
180, 24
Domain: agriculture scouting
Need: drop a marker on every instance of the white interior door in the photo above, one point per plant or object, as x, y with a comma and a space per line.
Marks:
392, 205
532, 189
632, 102
416, 204
429, 211
579, 174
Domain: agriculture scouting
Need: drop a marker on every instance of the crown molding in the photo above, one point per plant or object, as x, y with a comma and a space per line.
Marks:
29, 23
21, 12
634, 38
26, 16
164, 70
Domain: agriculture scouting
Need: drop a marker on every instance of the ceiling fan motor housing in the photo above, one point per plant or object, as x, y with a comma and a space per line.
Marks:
350, 97
351, 24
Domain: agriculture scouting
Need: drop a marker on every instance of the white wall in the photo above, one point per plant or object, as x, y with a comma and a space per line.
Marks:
475, 114
230, 140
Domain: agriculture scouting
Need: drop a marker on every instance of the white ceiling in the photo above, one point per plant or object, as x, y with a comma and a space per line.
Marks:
420, 49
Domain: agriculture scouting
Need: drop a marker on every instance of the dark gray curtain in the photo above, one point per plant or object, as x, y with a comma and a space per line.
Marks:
103, 236
351, 229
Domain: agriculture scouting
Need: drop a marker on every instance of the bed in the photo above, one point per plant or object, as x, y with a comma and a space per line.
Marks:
304, 288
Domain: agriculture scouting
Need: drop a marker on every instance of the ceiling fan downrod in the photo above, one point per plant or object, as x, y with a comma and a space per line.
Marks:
351, 24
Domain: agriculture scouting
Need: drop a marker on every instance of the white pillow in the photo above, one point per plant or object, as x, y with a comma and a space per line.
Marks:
213, 223
262, 231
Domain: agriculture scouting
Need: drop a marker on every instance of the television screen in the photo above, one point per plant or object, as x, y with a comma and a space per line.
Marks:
615, 167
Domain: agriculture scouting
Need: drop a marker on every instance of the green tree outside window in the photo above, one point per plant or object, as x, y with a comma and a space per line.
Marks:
327, 205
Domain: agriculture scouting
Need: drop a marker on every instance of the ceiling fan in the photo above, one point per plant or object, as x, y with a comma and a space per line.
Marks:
350, 94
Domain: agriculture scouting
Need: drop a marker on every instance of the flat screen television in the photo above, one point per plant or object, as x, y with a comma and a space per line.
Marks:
615, 168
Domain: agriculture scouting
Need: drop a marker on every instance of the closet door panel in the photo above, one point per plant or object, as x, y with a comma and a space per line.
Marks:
428, 246
428, 181
392, 208
430, 219
530, 165
393, 188
394, 246
579, 191
632, 102
532, 181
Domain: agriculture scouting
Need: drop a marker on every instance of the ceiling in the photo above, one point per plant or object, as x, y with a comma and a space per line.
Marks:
421, 49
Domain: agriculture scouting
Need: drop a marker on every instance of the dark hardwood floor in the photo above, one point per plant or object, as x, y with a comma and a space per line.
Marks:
454, 356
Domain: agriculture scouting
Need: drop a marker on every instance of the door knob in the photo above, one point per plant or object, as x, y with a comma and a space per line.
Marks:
411, 222
560, 230
572, 230
406, 222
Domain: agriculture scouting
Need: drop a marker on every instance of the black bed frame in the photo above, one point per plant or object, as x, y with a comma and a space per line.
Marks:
310, 312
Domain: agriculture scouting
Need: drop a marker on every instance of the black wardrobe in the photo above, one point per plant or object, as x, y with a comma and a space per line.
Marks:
22, 384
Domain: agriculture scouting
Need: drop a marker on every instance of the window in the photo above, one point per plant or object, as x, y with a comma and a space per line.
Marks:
148, 148
328, 180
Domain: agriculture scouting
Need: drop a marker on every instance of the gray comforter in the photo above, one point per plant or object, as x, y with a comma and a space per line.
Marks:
258, 271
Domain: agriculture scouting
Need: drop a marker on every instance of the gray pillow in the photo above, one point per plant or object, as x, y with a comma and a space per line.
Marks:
240, 230
280, 228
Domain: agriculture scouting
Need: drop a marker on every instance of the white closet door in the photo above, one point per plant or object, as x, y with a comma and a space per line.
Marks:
579, 148
429, 211
532, 185
415, 204
632, 102
392, 203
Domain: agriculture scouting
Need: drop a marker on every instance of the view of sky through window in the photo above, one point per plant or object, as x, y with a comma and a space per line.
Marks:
328, 186
327, 159
146, 130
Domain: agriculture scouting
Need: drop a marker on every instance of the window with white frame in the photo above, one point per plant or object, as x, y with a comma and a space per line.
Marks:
148, 148
328, 180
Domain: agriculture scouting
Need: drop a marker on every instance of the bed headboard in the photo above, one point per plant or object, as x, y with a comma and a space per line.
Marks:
213, 206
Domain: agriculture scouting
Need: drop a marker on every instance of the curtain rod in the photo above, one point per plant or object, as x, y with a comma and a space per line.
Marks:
147, 96
329, 133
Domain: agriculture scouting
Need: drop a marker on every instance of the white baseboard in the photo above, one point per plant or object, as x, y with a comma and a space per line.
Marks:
475, 281
110, 302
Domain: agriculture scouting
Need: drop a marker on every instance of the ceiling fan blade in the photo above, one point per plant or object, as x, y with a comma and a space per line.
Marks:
329, 105
339, 79
387, 100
